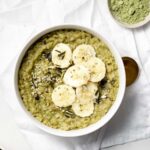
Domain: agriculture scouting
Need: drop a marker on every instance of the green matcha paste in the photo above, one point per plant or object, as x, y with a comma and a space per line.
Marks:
130, 11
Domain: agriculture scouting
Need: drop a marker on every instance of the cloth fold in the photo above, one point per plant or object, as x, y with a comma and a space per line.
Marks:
20, 20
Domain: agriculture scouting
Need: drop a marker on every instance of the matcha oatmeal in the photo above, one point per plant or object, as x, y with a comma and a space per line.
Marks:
68, 79
130, 11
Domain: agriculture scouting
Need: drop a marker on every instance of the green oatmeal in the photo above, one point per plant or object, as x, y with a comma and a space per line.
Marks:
38, 77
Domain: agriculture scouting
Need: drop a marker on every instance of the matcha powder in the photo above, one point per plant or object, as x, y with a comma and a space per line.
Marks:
130, 11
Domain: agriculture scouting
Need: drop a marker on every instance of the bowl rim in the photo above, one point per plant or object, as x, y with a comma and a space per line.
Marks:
112, 111
126, 25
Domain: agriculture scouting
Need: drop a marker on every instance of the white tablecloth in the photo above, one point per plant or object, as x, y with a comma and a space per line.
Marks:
20, 19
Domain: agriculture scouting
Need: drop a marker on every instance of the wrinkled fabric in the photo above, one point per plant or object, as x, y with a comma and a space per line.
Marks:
20, 20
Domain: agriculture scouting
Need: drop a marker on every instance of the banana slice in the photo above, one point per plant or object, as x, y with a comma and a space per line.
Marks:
87, 93
83, 110
93, 87
76, 76
83, 53
61, 55
97, 69
63, 95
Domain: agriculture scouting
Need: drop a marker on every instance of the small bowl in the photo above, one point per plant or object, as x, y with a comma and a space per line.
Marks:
126, 25
112, 110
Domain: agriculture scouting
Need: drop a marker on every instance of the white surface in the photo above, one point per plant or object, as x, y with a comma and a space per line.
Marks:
9, 132
140, 145
17, 21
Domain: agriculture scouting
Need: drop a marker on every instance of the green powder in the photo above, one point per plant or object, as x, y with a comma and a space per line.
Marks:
130, 11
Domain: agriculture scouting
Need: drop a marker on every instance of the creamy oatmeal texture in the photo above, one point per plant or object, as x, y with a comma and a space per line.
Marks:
38, 76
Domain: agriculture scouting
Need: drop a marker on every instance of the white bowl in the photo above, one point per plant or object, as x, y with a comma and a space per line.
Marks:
126, 25
112, 110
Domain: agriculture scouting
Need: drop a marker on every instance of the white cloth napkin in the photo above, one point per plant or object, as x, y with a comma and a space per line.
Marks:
9, 132
21, 19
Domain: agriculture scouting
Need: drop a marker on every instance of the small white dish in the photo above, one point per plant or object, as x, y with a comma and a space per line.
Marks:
126, 25
112, 111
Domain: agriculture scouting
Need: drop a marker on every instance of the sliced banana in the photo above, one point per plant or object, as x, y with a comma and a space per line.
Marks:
83, 110
61, 55
93, 87
87, 93
76, 76
83, 53
63, 96
97, 69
